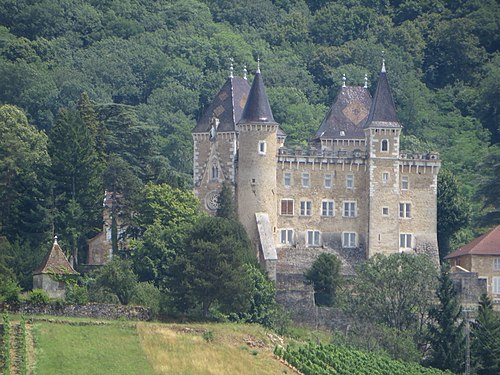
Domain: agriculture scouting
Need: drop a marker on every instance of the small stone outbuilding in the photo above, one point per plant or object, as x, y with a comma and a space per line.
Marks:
50, 275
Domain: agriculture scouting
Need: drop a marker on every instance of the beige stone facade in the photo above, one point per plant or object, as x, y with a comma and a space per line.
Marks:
353, 193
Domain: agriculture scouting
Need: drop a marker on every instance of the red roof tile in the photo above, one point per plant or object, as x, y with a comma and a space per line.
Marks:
487, 244
55, 262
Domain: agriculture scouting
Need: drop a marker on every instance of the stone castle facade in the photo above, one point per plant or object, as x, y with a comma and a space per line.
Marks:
353, 193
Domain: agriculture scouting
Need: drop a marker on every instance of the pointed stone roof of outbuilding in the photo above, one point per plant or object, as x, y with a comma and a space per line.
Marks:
383, 111
347, 114
55, 262
227, 106
487, 244
257, 109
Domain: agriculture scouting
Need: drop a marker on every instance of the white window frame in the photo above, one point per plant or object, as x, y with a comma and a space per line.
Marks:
328, 208
286, 236
306, 180
404, 210
385, 211
313, 238
349, 209
386, 143
349, 181
495, 285
385, 177
281, 207
405, 182
349, 239
287, 179
262, 147
496, 264
305, 208
328, 181
405, 239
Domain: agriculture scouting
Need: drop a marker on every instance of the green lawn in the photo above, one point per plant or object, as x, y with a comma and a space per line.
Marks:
89, 350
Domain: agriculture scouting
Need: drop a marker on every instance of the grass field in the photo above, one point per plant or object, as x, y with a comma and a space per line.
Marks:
123, 348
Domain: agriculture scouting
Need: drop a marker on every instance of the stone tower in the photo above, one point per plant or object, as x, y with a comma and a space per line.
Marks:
215, 140
256, 172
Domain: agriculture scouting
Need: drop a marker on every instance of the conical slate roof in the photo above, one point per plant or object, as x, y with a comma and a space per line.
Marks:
347, 114
257, 109
382, 112
55, 262
227, 106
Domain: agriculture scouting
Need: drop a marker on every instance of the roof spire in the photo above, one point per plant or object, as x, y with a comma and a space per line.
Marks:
257, 108
55, 240
245, 71
343, 80
258, 65
366, 81
231, 68
383, 62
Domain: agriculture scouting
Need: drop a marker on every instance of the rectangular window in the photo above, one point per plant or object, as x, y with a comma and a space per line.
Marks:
262, 147
496, 264
287, 207
385, 211
305, 208
349, 181
327, 208
313, 237
286, 236
405, 210
348, 239
496, 285
385, 177
405, 240
287, 179
384, 146
405, 184
349, 209
305, 180
328, 181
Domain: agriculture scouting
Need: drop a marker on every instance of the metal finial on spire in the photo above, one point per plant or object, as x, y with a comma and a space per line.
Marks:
55, 239
245, 71
343, 80
366, 81
231, 69
258, 64
383, 62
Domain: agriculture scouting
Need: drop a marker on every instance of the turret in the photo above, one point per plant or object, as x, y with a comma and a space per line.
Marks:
256, 173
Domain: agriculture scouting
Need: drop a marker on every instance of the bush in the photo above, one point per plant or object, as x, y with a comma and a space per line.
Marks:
77, 294
146, 294
38, 297
9, 291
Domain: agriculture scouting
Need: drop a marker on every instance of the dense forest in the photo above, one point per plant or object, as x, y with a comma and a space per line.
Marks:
99, 95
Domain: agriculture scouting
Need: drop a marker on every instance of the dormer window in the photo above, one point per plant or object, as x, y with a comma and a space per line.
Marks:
384, 146
342, 133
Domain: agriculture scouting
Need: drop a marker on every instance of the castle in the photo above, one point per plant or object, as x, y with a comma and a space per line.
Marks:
353, 193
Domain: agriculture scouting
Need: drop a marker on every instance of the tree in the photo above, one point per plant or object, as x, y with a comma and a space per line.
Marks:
325, 277
118, 278
226, 206
486, 338
210, 271
395, 290
452, 211
446, 328
489, 188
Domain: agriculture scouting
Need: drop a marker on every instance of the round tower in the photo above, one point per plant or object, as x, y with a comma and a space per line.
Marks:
256, 170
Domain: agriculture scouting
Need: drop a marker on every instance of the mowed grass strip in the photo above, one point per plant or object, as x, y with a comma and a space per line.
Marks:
181, 349
89, 350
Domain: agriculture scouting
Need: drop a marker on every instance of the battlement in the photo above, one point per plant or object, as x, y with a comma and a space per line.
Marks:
321, 156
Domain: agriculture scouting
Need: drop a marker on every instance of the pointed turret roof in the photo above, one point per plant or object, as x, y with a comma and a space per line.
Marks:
55, 262
382, 112
227, 106
347, 114
257, 109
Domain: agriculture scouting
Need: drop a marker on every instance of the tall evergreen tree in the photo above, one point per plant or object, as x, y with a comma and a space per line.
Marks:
446, 328
486, 338
226, 204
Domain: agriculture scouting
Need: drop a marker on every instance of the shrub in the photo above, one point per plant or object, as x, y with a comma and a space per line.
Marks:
146, 294
77, 294
9, 290
38, 297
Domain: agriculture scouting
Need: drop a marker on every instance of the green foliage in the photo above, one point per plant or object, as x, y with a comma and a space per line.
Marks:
38, 297
325, 277
146, 294
226, 205
9, 290
117, 277
208, 336
331, 359
5, 349
405, 285
486, 338
446, 328
76, 294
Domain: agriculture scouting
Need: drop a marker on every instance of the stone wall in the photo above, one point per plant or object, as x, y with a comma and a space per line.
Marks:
91, 310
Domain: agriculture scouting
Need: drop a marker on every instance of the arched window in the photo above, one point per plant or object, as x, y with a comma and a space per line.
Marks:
215, 172
384, 147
